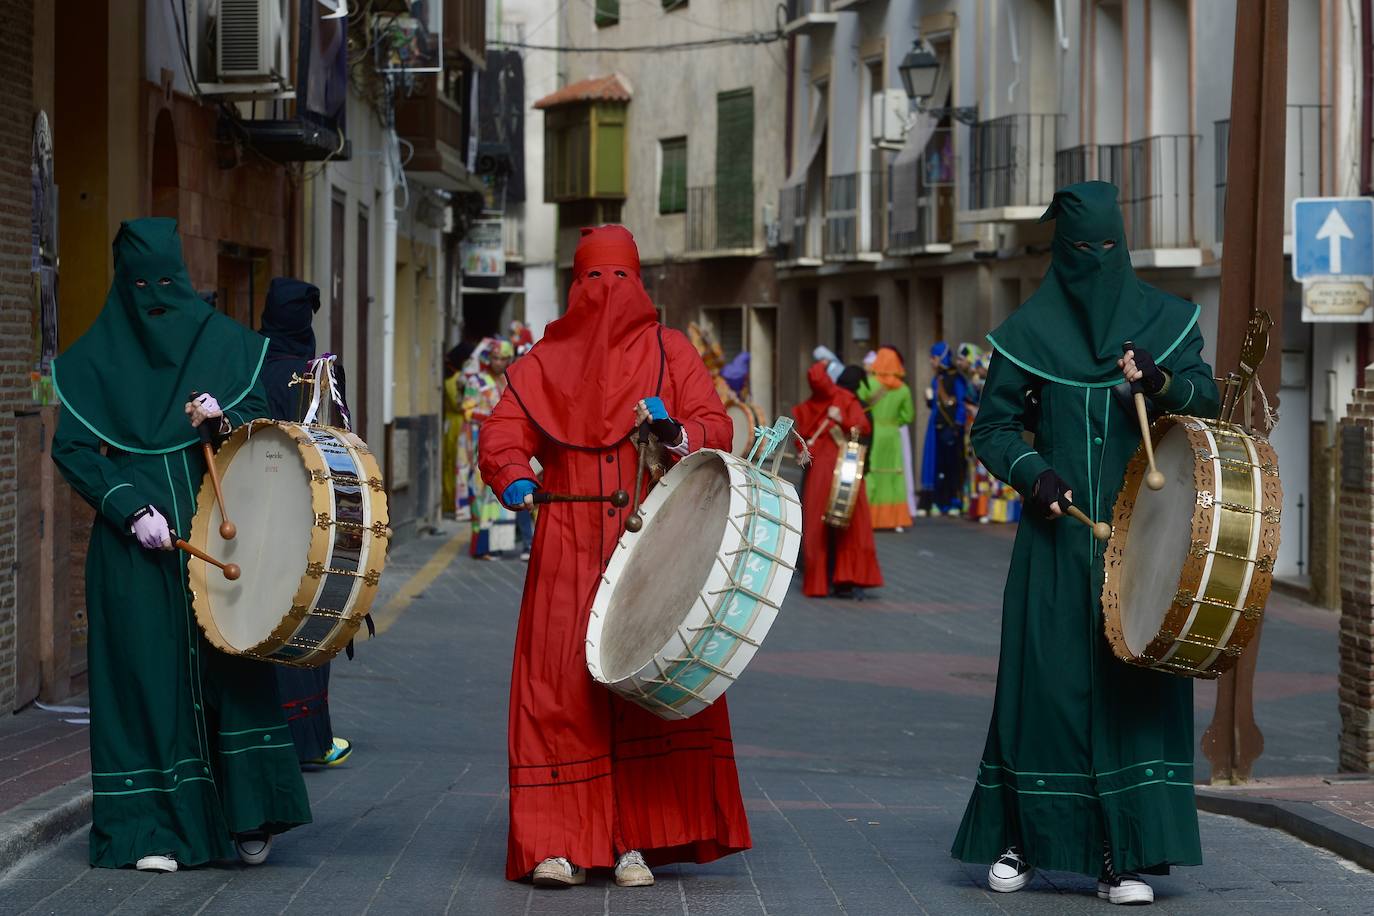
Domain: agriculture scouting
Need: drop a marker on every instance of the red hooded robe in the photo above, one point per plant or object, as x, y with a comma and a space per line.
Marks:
856, 559
592, 775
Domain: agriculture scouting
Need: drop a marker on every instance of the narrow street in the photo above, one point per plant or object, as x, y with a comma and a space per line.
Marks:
858, 729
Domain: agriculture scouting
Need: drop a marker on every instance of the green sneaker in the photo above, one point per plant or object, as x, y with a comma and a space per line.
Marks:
338, 753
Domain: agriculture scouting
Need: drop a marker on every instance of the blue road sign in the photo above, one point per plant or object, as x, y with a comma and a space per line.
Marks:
1333, 237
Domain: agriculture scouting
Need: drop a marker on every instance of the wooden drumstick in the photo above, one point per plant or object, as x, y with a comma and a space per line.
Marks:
618, 498
1101, 530
227, 529
1153, 479
231, 570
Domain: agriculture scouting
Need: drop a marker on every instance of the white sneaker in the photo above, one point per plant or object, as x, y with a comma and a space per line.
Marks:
900, 529
157, 863
1126, 890
253, 847
1010, 872
631, 871
558, 872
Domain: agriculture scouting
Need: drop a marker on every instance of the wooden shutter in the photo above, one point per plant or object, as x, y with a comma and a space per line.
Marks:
735, 169
672, 188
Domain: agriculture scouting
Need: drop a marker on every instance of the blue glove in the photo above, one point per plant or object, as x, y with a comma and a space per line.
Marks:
514, 497
656, 409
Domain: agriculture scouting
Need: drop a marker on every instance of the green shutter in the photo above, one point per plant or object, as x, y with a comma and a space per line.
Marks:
673, 4
607, 12
672, 186
735, 169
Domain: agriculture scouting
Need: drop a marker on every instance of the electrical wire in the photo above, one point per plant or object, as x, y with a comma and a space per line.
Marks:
755, 38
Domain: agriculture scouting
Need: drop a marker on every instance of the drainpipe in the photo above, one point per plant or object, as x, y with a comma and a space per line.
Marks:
388, 206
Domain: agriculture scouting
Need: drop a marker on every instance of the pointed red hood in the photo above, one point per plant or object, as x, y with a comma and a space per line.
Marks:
579, 384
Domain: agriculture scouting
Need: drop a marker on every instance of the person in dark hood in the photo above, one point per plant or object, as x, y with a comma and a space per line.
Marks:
1088, 761
287, 323
190, 757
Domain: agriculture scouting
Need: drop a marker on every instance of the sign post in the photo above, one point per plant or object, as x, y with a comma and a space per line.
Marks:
1333, 257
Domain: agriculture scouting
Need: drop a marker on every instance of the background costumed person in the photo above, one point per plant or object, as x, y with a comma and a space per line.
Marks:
287, 317
191, 757
1088, 761
889, 403
596, 781
942, 459
493, 525
845, 557
455, 470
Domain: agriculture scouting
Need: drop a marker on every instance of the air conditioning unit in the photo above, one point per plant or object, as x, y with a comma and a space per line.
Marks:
889, 116
248, 39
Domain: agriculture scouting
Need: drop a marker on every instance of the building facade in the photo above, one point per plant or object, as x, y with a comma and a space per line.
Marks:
685, 147
930, 232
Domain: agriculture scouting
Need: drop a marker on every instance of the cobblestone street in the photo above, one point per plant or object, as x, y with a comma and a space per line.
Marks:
858, 729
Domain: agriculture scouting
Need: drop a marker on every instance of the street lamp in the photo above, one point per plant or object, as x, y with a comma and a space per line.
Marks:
920, 72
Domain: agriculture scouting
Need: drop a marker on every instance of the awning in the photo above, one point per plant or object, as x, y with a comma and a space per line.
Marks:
906, 168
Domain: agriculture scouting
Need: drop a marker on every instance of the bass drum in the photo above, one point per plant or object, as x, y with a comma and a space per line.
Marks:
1189, 567
312, 520
746, 418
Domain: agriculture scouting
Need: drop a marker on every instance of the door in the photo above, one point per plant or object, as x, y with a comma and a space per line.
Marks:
336, 279
358, 386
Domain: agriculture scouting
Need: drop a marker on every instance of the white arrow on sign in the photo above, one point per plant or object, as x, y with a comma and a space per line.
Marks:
1333, 230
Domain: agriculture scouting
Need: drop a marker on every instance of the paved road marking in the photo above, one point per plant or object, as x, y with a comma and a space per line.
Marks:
423, 578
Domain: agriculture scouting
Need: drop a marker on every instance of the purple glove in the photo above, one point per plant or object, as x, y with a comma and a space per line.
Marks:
152, 532
203, 408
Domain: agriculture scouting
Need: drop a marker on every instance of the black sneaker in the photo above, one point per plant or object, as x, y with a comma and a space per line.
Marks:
1010, 872
1125, 889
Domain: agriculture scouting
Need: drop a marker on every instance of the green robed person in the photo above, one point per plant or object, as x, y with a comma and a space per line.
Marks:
1088, 761
190, 755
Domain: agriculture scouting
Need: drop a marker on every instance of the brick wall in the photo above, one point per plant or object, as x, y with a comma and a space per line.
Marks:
1356, 478
16, 327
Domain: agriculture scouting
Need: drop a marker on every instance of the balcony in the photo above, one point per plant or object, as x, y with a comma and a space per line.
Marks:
433, 125
1011, 169
798, 245
1304, 163
720, 223
805, 17
1157, 182
920, 201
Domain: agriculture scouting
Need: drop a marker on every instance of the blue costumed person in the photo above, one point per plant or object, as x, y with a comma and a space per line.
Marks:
942, 461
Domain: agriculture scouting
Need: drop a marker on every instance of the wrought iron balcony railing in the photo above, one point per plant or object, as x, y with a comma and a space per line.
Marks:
921, 194
1304, 164
1156, 178
719, 221
1012, 162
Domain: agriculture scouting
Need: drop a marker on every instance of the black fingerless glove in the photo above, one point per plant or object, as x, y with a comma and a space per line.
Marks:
1049, 490
1152, 377
668, 431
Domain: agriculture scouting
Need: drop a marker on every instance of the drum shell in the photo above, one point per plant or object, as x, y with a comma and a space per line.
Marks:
844, 495
1223, 585
753, 567
317, 623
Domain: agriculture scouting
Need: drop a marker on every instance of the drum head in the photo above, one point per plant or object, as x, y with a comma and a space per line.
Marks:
267, 490
1159, 537
667, 569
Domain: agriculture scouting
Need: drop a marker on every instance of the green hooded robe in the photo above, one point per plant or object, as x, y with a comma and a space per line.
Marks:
1082, 748
188, 745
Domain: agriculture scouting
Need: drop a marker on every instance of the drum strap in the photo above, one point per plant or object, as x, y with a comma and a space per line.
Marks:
322, 372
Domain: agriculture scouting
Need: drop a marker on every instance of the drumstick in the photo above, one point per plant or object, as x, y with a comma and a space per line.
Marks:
227, 529
231, 570
1154, 479
618, 498
1101, 530
635, 523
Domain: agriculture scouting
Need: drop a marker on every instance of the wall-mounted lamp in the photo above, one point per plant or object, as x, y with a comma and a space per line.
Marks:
920, 72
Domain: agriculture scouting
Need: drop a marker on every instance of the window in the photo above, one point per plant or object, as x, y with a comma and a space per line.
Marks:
607, 12
735, 169
584, 152
672, 183
674, 4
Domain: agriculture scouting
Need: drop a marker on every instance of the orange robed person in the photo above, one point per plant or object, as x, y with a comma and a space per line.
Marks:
596, 781
844, 557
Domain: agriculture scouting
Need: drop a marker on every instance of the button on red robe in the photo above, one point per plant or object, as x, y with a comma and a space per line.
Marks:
856, 559
592, 775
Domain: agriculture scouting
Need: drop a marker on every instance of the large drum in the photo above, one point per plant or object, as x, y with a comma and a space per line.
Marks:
1189, 567
312, 530
686, 601
846, 484
746, 418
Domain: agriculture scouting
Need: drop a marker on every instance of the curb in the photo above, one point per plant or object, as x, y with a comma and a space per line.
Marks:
43, 821
1304, 820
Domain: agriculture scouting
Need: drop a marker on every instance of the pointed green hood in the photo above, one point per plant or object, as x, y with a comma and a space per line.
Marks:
128, 378
1090, 302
